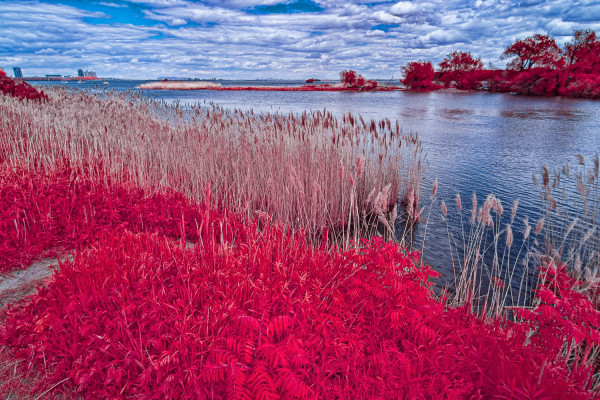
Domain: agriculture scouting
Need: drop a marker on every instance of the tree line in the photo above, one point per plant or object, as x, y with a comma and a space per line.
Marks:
536, 66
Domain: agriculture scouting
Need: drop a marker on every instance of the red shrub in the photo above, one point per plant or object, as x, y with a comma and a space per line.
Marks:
44, 213
536, 81
419, 76
582, 85
19, 89
348, 78
460, 70
352, 80
259, 313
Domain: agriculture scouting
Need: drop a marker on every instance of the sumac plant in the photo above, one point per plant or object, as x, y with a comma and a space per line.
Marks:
254, 312
46, 213
19, 89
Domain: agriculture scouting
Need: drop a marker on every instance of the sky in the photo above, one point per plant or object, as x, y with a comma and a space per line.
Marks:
279, 39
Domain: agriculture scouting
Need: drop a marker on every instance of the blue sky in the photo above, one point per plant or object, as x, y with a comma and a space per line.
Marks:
269, 38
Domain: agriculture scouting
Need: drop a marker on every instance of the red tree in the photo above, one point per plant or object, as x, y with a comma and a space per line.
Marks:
348, 78
352, 80
537, 50
459, 69
583, 53
419, 76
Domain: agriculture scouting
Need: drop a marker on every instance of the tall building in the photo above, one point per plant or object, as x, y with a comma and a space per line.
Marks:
18, 72
80, 73
90, 74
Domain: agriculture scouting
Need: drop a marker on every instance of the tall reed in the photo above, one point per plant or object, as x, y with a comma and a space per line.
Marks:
309, 170
495, 255
571, 220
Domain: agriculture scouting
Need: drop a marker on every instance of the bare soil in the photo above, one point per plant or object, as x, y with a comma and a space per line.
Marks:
17, 285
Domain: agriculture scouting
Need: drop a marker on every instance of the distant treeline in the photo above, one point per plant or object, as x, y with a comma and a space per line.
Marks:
537, 66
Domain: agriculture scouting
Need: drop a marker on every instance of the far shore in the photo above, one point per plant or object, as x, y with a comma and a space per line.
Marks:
202, 85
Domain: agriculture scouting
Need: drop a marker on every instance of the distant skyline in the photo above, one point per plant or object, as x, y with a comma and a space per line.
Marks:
282, 39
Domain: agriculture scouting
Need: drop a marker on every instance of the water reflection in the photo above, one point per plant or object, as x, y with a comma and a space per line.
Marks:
572, 115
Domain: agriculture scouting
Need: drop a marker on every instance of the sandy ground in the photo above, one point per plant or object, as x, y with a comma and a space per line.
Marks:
16, 285
178, 85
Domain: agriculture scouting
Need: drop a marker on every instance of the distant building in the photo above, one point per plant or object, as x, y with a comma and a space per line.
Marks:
80, 73
18, 72
53, 76
89, 74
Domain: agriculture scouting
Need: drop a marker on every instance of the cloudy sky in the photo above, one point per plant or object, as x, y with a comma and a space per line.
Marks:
269, 38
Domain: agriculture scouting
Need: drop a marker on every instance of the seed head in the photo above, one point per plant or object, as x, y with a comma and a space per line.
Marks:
513, 211
509, 236
539, 226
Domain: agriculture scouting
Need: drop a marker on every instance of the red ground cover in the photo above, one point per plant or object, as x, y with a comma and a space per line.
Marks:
255, 312
45, 213
19, 88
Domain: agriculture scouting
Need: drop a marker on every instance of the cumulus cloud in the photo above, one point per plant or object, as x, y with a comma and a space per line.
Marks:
385, 17
375, 33
232, 38
404, 8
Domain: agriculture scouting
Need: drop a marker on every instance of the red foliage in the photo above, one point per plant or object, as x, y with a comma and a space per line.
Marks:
536, 81
538, 67
352, 80
460, 70
44, 213
419, 76
564, 318
348, 78
19, 89
371, 85
583, 54
582, 85
259, 313
538, 50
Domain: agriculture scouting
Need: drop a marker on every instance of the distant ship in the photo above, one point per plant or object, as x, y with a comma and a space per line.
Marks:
313, 80
105, 82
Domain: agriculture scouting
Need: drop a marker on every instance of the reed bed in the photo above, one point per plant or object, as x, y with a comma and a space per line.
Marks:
307, 171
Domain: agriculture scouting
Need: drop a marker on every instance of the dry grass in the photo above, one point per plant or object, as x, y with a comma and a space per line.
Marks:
495, 254
309, 171
571, 202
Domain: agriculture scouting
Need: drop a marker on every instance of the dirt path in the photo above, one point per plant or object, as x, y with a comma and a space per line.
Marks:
16, 285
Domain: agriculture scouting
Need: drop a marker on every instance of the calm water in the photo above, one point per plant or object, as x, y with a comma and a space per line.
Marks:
474, 142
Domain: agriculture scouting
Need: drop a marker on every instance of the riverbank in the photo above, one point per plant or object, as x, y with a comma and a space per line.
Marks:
285, 293
183, 85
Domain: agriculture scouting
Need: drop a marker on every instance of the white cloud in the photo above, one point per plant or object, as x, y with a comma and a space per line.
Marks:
385, 17
557, 27
404, 8
112, 5
375, 33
